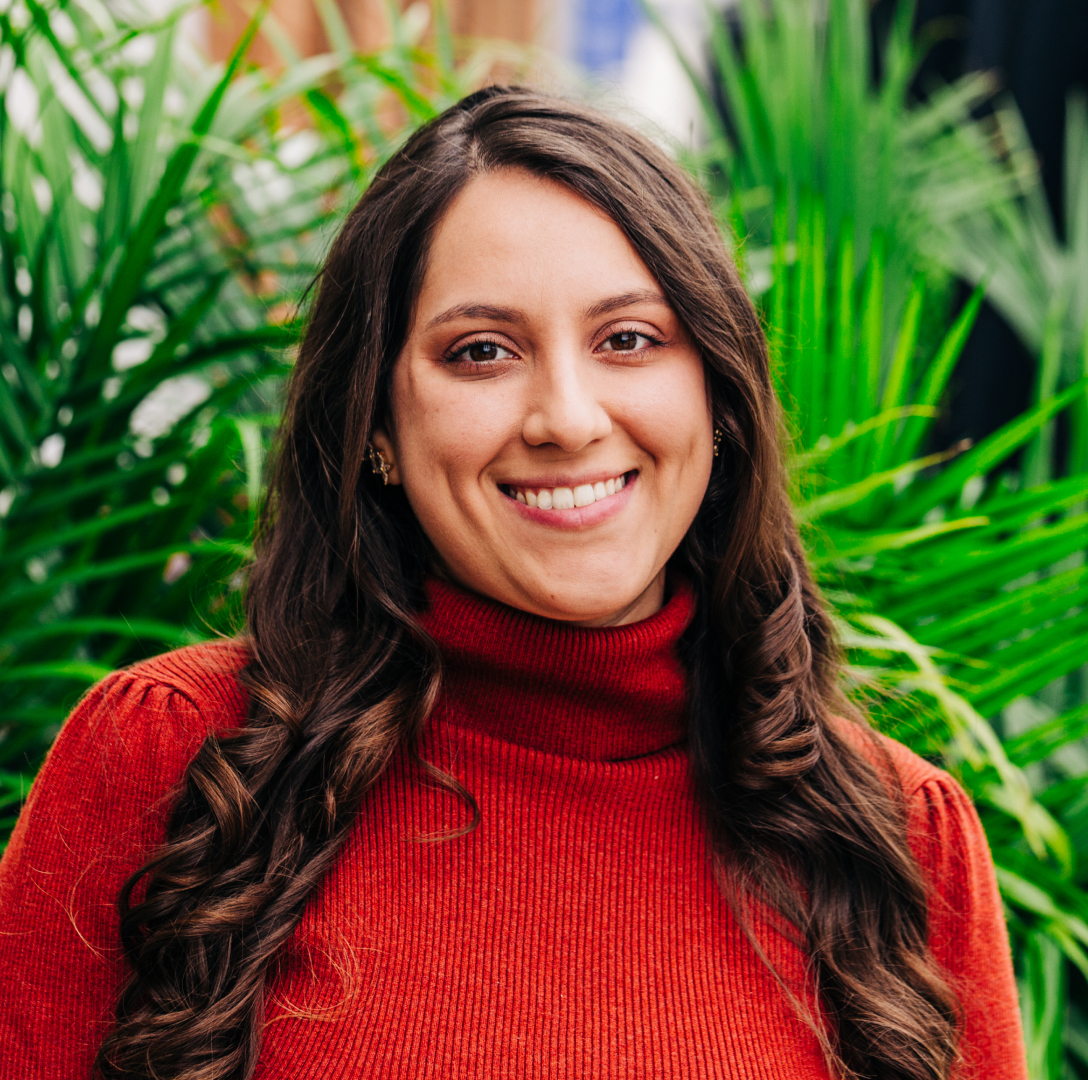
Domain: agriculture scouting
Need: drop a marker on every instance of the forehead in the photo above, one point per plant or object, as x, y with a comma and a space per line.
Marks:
521, 237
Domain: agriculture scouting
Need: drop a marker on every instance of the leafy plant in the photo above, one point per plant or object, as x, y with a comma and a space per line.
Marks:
126, 338
1038, 280
161, 217
793, 113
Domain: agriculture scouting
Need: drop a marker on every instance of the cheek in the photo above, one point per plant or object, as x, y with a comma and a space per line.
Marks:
670, 418
446, 433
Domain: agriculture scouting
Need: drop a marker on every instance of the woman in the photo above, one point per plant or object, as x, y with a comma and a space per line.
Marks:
528, 764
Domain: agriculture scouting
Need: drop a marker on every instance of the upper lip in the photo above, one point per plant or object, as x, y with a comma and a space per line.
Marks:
556, 481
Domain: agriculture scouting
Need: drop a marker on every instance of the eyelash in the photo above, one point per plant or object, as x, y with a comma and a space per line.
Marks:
457, 354
655, 343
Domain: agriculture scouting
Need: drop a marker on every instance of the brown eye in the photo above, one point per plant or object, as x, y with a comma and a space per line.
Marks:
626, 341
481, 352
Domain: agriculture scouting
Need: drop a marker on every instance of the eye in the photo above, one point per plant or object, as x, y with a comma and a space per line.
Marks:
480, 352
627, 341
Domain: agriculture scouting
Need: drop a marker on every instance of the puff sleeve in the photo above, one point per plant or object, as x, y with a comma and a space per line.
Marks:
967, 926
96, 811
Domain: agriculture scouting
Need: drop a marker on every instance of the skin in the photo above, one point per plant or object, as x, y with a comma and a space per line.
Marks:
576, 370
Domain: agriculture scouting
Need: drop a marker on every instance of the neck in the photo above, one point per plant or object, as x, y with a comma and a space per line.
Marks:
604, 693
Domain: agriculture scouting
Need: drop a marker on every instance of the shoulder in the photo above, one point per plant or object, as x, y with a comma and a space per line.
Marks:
205, 676
899, 765
106, 783
153, 716
942, 823
943, 826
199, 682
912, 771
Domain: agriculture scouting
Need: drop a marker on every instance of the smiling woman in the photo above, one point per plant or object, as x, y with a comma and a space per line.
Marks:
543, 361
527, 560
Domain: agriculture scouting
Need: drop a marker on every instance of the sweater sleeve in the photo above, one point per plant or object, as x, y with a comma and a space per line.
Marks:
967, 927
96, 811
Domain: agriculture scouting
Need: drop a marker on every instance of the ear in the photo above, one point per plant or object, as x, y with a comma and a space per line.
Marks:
381, 440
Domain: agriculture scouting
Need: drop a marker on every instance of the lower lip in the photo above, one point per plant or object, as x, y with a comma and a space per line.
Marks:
580, 516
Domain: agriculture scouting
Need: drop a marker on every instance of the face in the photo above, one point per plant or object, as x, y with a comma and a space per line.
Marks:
549, 416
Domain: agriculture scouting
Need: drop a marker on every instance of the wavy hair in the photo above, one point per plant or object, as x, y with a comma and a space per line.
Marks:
801, 815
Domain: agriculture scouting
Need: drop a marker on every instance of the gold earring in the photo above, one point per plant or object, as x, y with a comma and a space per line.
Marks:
378, 464
718, 432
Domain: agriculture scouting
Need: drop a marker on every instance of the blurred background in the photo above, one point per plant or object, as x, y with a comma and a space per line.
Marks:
904, 187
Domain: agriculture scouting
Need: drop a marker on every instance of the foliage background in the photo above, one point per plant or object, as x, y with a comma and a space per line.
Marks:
161, 217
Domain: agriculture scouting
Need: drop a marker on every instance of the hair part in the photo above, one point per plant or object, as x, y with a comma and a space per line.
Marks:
800, 816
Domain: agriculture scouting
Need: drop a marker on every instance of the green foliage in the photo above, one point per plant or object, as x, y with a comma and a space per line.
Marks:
1038, 280
125, 341
794, 115
160, 219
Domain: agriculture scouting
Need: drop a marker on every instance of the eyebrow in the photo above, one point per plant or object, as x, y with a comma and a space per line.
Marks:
478, 311
512, 315
614, 303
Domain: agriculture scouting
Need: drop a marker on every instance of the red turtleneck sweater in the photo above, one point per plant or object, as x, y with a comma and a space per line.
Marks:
577, 932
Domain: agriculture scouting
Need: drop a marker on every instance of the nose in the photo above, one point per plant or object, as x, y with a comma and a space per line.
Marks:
565, 410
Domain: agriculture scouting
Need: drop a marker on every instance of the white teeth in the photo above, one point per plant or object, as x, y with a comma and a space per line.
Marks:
564, 498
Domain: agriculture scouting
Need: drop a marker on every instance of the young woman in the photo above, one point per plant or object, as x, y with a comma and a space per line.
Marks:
531, 762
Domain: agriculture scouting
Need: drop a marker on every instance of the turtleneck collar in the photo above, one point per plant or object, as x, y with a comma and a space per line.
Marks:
603, 694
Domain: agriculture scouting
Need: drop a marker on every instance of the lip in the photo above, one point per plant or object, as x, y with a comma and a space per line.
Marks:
579, 517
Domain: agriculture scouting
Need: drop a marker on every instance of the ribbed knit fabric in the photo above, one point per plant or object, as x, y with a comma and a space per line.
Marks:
577, 932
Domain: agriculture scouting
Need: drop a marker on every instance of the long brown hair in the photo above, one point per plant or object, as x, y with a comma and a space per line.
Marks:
341, 675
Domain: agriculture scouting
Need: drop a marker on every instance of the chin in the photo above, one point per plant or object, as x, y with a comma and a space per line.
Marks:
565, 597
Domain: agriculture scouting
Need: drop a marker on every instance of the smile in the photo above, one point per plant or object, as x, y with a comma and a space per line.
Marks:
566, 498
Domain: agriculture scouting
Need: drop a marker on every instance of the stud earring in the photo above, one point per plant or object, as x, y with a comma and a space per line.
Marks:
718, 432
379, 466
